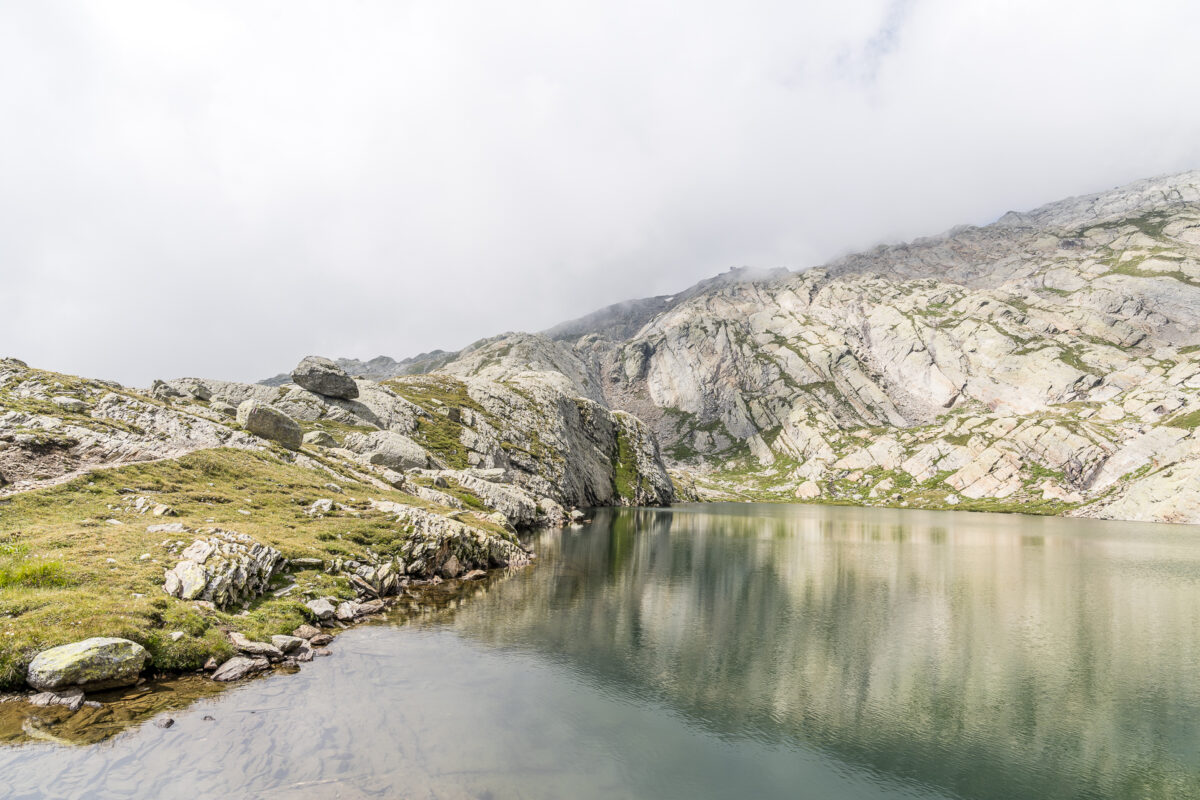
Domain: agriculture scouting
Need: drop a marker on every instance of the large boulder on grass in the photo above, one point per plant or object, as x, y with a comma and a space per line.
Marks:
262, 420
322, 376
92, 664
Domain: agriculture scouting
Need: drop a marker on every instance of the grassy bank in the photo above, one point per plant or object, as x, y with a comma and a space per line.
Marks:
76, 560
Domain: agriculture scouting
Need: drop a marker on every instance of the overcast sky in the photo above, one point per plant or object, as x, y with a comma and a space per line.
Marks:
219, 189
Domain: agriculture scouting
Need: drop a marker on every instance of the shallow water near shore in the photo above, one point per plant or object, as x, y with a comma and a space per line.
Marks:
727, 651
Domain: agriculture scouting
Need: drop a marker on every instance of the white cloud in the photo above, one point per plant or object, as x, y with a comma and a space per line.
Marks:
220, 188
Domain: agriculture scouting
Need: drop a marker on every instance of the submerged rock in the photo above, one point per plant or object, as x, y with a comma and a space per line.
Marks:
97, 663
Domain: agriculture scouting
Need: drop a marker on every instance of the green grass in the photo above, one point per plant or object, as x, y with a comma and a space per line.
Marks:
1071, 358
1188, 421
66, 573
38, 574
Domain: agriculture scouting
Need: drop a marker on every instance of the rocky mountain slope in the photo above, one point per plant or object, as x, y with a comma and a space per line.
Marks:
1047, 362
326, 495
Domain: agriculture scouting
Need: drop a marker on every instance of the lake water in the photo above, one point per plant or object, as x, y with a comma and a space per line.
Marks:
728, 651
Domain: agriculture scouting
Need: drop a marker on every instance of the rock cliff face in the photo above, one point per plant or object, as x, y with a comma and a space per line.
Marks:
1050, 361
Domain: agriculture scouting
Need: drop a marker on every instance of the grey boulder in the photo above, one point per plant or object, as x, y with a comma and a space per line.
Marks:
322, 376
97, 663
269, 423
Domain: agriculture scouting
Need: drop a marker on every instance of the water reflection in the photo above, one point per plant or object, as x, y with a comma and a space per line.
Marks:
729, 651
992, 656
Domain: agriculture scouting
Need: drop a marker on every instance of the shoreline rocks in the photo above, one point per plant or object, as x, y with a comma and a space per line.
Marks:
92, 664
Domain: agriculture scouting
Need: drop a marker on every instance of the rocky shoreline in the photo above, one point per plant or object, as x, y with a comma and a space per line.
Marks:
83, 683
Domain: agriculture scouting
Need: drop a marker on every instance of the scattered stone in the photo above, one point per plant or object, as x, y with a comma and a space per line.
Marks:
306, 563
162, 510
347, 611
167, 527
319, 508
306, 632
321, 651
176, 635
253, 648
474, 575
287, 644
97, 663
269, 423
322, 609
371, 607
320, 640
164, 723
71, 698
210, 664
239, 667
71, 404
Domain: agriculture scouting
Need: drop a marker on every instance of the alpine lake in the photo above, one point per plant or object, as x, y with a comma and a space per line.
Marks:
707, 651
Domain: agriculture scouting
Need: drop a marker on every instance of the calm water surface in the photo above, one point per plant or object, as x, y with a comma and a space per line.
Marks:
736, 651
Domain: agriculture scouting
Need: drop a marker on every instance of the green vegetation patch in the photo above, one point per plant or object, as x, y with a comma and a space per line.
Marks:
443, 398
68, 573
1188, 421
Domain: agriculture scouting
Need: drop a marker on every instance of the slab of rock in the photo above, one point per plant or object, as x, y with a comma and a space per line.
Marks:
72, 404
320, 640
371, 607
167, 527
71, 698
239, 667
287, 644
97, 663
269, 423
320, 439
253, 648
347, 611
322, 376
388, 449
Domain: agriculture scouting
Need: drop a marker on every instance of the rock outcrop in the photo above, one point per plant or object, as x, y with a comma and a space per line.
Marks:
1050, 361
224, 568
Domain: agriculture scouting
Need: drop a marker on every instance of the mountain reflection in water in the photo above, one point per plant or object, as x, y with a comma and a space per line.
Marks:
735, 650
